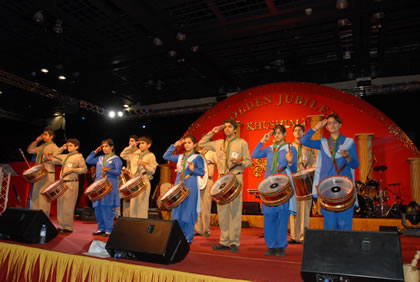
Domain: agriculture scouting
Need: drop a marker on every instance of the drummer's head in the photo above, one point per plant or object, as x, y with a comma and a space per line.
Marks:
298, 131
190, 143
279, 132
230, 127
334, 123
48, 135
144, 143
132, 140
107, 146
73, 145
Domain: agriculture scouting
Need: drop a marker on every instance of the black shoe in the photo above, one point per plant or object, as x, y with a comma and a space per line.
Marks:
270, 252
234, 248
98, 232
197, 234
206, 234
291, 241
106, 234
66, 231
280, 252
59, 229
220, 247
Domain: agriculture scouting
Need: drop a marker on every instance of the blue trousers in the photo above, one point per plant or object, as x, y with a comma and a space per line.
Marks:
105, 218
188, 230
275, 228
338, 220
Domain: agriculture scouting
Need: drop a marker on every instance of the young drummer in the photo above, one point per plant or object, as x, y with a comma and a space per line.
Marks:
281, 158
337, 156
189, 166
108, 165
72, 164
127, 155
39, 202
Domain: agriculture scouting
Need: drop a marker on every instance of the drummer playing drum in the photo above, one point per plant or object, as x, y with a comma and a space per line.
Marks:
281, 158
39, 202
189, 166
337, 156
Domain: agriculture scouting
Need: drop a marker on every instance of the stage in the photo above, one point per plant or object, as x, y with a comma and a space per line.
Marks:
62, 259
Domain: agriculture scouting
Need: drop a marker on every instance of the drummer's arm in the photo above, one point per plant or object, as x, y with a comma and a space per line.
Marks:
293, 166
151, 164
198, 167
92, 158
246, 157
207, 143
306, 140
168, 154
258, 153
81, 165
354, 161
33, 148
116, 167
125, 154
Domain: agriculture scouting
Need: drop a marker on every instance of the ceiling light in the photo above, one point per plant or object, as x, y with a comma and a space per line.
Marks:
58, 27
157, 42
308, 11
342, 4
195, 49
38, 17
126, 106
1, 92
120, 114
172, 53
44, 70
181, 36
111, 114
61, 77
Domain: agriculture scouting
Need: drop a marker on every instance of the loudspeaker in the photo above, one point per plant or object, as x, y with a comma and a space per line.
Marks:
251, 208
24, 225
338, 255
152, 240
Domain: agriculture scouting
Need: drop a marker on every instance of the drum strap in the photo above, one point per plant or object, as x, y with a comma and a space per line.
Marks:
40, 156
333, 157
65, 160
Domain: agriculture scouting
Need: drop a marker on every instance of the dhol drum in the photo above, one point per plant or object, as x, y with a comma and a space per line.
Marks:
336, 193
35, 173
132, 188
202, 180
226, 189
125, 176
55, 190
303, 181
98, 189
175, 196
275, 190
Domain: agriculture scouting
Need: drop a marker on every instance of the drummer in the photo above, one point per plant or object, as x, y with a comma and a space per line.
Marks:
281, 158
128, 156
232, 156
337, 156
39, 202
108, 165
305, 160
72, 164
189, 167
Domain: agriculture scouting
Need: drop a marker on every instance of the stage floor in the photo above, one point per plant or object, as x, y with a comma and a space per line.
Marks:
248, 264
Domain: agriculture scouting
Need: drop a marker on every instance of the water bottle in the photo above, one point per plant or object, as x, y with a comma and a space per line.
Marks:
43, 234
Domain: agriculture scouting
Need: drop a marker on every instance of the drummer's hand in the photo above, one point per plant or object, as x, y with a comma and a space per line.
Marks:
191, 167
106, 169
48, 156
235, 161
39, 139
266, 137
320, 124
217, 128
97, 150
65, 146
141, 163
68, 171
289, 156
179, 142
346, 155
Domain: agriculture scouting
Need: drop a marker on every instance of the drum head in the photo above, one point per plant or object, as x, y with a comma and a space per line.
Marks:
221, 184
335, 187
130, 182
33, 169
171, 191
52, 186
95, 184
273, 183
304, 172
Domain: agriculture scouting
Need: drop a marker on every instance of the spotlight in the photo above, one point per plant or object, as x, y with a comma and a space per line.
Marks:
126, 106
157, 42
58, 27
44, 70
172, 53
61, 77
1, 92
120, 114
83, 118
111, 114
341, 4
181, 36
144, 126
308, 11
195, 49
38, 17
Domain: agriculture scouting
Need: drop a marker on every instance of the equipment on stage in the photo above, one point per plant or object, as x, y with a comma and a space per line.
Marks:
35, 173
336, 193
226, 189
151, 240
98, 189
24, 225
55, 190
275, 190
303, 181
124, 176
175, 196
338, 255
132, 188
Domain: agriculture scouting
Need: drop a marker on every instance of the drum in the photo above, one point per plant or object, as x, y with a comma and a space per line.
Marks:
35, 173
336, 193
226, 189
202, 180
368, 191
382, 195
132, 188
98, 189
303, 181
275, 190
175, 196
124, 177
55, 190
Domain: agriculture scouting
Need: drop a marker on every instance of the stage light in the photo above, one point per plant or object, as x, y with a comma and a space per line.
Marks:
172, 53
111, 114
120, 114
83, 118
1, 92
61, 77
195, 49
181, 36
308, 11
126, 106
144, 126
58, 27
38, 17
341, 4
157, 42
44, 70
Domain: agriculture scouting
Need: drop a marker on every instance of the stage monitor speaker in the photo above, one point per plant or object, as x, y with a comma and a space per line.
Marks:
24, 225
151, 240
336, 255
251, 208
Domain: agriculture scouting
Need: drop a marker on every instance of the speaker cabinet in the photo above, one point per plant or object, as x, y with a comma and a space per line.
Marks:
151, 240
251, 208
338, 255
24, 225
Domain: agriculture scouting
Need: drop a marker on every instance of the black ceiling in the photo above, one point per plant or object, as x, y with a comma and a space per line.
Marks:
108, 55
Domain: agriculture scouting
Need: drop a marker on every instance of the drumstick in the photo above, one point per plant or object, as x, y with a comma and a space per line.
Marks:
23, 155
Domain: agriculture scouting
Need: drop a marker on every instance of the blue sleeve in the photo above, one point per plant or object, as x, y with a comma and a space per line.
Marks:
354, 162
92, 159
115, 168
168, 154
198, 167
293, 167
258, 153
306, 140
